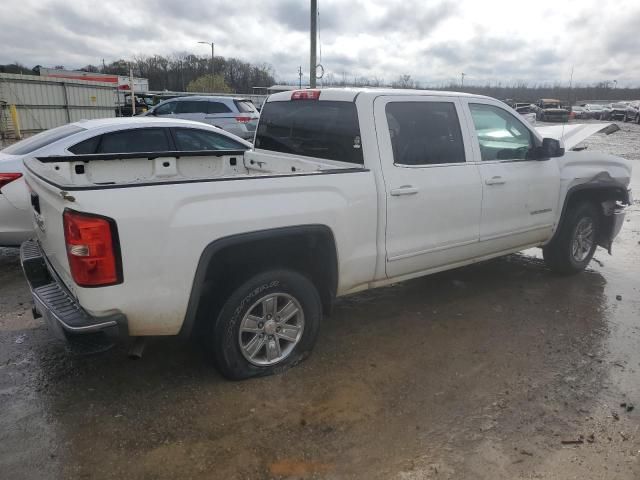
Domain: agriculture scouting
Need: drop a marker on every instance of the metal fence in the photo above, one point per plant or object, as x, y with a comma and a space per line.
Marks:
45, 102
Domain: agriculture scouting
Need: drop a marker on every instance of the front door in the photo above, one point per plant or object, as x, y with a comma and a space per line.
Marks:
520, 193
433, 195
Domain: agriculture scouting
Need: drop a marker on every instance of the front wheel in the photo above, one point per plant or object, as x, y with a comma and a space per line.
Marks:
576, 241
267, 325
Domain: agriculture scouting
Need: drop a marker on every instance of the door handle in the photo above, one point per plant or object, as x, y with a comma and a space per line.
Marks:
497, 180
404, 190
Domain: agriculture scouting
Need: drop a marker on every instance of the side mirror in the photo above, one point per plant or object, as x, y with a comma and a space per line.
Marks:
551, 148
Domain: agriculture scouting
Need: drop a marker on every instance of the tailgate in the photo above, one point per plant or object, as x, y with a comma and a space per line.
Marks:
47, 206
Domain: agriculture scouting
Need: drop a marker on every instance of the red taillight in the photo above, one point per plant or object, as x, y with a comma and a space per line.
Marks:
305, 95
242, 119
92, 249
6, 178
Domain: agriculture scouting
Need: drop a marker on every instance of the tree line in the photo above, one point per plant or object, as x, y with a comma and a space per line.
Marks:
187, 72
176, 72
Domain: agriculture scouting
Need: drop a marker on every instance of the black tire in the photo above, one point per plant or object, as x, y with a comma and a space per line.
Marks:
224, 343
558, 253
626, 119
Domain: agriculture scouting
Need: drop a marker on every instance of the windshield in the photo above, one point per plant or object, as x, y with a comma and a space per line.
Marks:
594, 107
42, 139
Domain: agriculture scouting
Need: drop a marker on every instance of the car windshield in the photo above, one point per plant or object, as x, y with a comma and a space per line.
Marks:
42, 139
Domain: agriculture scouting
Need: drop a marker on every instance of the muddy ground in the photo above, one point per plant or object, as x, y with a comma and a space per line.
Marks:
478, 373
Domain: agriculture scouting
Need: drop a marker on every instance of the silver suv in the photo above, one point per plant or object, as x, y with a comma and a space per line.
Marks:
236, 115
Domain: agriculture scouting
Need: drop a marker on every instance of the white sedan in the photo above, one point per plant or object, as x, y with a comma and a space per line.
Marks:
103, 136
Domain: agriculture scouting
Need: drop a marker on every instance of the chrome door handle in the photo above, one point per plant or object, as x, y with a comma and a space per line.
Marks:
404, 190
497, 180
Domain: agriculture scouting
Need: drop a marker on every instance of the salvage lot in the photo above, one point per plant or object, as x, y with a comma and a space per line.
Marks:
482, 372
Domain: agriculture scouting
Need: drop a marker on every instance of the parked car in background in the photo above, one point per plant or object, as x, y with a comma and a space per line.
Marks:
550, 110
526, 110
632, 112
234, 114
615, 111
90, 137
578, 112
594, 110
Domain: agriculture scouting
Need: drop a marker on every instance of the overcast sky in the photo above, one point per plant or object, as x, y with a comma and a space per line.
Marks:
433, 41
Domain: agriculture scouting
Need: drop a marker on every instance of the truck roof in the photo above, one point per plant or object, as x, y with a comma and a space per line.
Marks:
349, 94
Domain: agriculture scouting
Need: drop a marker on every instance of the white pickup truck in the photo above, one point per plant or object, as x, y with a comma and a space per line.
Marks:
345, 190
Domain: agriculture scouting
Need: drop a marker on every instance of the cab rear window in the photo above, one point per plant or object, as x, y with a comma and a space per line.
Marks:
319, 129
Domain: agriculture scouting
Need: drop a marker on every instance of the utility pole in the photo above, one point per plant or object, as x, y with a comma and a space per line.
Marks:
314, 35
213, 68
462, 75
300, 76
133, 94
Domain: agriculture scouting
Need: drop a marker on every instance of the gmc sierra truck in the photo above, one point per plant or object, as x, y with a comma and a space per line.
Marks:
344, 190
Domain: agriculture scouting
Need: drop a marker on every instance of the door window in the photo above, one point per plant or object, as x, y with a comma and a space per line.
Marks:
191, 139
86, 147
166, 108
217, 107
501, 135
191, 106
135, 141
425, 133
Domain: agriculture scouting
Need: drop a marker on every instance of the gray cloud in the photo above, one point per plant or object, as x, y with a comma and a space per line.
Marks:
430, 40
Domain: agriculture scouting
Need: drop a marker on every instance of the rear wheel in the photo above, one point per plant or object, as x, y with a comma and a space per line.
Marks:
267, 325
576, 240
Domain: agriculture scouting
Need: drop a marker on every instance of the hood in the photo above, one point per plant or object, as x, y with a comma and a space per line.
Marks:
572, 135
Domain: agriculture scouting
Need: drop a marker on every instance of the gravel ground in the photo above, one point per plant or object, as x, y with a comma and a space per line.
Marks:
486, 372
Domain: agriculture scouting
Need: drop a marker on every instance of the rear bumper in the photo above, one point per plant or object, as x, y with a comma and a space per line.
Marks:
60, 310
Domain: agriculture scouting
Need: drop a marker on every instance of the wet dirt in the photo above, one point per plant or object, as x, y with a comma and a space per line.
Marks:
484, 372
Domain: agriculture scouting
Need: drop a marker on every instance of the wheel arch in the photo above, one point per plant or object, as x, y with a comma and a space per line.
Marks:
308, 249
605, 192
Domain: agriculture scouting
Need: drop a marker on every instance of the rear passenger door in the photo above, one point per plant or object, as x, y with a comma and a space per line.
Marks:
195, 110
433, 195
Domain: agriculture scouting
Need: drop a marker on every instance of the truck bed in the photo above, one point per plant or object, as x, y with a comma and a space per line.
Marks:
103, 170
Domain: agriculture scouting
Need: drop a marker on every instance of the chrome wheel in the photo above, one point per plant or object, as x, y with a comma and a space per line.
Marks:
271, 329
583, 239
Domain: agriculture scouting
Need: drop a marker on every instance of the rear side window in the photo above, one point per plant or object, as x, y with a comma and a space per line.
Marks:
86, 147
425, 133
319, 129
166, 108
191, 139
245, 106
217, 107
42, 139
135, 141
191, 106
